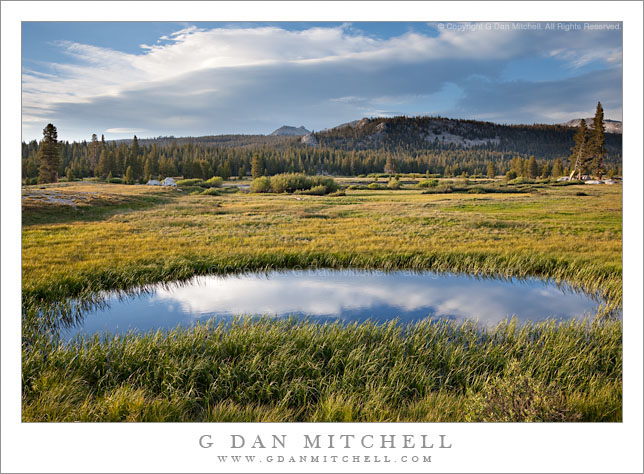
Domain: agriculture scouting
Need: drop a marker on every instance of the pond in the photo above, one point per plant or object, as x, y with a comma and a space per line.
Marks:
330, 295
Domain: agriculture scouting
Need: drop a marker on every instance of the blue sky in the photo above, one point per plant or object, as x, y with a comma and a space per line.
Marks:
155, 78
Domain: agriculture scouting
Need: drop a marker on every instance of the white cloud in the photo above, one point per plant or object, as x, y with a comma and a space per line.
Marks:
261, 77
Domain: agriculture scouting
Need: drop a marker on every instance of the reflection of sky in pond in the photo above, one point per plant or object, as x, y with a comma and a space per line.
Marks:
346, 295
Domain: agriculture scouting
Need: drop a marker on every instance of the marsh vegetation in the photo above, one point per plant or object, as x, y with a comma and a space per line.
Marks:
117, 237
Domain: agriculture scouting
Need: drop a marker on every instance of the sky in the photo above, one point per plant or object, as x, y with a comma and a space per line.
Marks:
153, 79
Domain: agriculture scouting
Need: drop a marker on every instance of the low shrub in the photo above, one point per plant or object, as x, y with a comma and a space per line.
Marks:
376, 186
442, 189
210, 192
261, 185
190, 182
427, 183
515, 396
319, 190
521, 180
214, 182
228, 190
294, 182
289, 182
329, 183
568, 183
394, 183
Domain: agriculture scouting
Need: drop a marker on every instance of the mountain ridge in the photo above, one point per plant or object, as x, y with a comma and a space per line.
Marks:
435, 133
610, 126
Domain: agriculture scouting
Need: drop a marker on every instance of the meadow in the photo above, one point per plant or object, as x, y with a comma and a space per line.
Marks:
82, 238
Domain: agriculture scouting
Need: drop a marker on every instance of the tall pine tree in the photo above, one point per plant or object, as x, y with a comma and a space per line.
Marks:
596, 142
580, 157
256, 166
49, 155
94, 151
491, 170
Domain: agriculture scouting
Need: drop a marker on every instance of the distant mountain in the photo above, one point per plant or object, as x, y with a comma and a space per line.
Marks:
611, 126
425, 133
290, 131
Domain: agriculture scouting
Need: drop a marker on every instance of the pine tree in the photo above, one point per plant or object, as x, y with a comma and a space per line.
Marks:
94, 151
147, 169
257, 166
49, 155
491, 170
596, 142
557, 169
533, 168
389, 165
129, 175
579, 157
135, 146
226, 174
103, 166
546, 170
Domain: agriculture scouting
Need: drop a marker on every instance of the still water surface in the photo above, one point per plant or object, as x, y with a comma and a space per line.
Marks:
327, 295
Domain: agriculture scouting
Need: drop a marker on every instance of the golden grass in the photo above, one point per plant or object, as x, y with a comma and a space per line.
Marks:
161, 234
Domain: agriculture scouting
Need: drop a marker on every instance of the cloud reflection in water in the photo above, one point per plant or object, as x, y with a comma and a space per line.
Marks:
347, 295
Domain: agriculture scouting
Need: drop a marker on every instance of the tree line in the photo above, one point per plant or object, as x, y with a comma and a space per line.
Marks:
133, 162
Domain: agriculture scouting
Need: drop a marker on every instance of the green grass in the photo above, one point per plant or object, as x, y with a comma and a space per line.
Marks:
284, 370
127, 236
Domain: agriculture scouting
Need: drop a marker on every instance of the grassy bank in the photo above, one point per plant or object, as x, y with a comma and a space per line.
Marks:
280, 370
